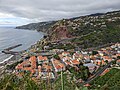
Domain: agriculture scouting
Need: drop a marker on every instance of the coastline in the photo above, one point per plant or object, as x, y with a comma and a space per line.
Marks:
7, 60
3, 64
15, 58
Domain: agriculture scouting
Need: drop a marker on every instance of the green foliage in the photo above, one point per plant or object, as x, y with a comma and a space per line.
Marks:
56, 57
118, 57
12, 82
99, 37
82, 72
108, 81
94, 52
69, 83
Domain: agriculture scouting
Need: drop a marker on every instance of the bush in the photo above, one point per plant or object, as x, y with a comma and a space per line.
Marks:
56, 57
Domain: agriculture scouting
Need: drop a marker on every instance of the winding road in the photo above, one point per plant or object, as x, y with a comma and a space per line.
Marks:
97, 73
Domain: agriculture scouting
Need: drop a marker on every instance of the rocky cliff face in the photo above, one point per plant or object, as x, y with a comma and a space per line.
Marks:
59, 33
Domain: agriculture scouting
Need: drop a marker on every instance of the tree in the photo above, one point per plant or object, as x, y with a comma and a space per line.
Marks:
118, 57
94, 52
56, 57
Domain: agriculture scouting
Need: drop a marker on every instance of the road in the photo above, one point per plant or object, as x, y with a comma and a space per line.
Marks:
97, 73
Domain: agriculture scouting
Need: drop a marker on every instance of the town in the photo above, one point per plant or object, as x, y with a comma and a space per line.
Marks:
48, 66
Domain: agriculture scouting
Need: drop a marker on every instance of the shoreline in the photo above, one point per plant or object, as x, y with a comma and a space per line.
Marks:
9, 57
7, 60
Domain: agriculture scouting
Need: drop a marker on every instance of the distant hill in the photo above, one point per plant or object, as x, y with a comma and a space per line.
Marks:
87, 31
41, 26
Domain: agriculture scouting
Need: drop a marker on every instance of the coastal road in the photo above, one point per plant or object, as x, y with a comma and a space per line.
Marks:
97, 73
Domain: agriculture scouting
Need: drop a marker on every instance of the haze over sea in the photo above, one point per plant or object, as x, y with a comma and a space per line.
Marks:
10, 37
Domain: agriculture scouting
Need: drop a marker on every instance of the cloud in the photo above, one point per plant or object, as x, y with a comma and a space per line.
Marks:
44, 10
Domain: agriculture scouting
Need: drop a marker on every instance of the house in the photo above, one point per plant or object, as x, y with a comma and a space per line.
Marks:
46, 67
100, 53
33, 62
67, 62
77, 56
42, 59
75, 62
65, 53
58, 66
100, 62
107, 58
19, 67
46, 47
91, 66
87, 57
27, 66
66, 58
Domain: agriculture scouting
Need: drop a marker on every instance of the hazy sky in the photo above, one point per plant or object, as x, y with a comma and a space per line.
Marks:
18, 12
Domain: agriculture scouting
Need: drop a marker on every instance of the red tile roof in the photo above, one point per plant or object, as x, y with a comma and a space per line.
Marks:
67, 62
75, 62
32, 59
33, 62
107, 58
42, 58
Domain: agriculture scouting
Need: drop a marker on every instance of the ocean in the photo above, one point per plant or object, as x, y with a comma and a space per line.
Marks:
10, 37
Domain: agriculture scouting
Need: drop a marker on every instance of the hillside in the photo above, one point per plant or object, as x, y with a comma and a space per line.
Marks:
91, 31
85, 32
109, 81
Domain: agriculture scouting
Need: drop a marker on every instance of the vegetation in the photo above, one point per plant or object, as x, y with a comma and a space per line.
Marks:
65, 82
56, 57
95, 39
118, 57
12, 82
110, 81
94, 52
80, 72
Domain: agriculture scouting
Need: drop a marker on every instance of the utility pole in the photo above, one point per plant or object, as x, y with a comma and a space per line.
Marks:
62, 83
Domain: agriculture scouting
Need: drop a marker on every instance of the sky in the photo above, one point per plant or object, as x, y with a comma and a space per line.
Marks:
20, 12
